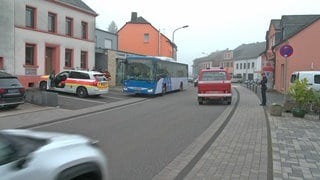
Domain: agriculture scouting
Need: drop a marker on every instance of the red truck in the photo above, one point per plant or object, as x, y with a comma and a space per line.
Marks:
214, 84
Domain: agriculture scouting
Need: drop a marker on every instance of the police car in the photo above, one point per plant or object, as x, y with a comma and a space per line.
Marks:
79, 82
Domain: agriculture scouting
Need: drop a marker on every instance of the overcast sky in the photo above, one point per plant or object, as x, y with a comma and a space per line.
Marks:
213, 25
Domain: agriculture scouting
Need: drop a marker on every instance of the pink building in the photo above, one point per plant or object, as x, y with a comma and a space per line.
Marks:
301, 32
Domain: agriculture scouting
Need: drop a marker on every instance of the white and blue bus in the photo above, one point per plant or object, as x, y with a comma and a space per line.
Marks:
154, 75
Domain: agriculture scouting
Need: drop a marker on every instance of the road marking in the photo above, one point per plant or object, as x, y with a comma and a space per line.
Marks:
68, 119
114, 97
88, 100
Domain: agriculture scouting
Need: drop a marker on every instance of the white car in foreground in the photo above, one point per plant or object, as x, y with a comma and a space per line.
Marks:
28, 155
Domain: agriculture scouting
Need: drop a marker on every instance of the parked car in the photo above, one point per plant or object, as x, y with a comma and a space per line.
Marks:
81, 83
313, 78
28, 154
12, 92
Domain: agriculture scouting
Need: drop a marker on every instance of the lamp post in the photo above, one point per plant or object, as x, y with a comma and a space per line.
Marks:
185, 26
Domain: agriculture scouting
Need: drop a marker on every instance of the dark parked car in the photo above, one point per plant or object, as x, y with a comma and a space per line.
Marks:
12, 92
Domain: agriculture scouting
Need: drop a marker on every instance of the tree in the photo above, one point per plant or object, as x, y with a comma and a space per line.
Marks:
113, 27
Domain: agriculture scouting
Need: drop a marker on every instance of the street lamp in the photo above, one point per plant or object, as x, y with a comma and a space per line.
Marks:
205, 53
185, 26
178, 29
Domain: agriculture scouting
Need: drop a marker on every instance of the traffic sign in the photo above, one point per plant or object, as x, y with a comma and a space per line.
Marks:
286, 50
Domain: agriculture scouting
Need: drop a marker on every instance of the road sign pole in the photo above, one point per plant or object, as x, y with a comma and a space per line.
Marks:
285, 51
285, 79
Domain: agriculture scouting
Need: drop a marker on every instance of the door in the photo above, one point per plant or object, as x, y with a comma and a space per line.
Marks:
49, 67
120, 71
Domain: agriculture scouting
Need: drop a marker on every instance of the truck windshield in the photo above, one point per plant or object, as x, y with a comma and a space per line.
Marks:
213, 76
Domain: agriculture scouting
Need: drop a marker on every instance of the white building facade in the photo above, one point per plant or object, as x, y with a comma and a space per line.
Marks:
41, 36
248, 59
249, 69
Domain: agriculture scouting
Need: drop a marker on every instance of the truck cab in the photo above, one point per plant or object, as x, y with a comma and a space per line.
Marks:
214, 84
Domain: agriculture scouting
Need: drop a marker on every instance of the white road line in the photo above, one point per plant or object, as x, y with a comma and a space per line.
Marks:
114, 97
83, 99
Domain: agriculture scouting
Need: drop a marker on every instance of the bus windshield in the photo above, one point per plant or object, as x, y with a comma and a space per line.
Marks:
140, 69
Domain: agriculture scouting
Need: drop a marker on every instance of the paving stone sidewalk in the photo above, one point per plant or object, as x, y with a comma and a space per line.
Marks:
241, 150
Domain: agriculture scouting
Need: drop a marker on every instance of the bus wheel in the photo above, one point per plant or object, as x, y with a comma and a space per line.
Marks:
181, 86
82, 92
163, 90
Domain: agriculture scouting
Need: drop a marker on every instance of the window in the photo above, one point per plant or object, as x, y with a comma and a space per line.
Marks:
316, 79
244, 65
107, 43
79, 75
146, 37
30, 54
83, 60
252, 65
68, 58
248, 65
30, 17
84, 30
1, 63
52, 22
237, 66
69, 26
240, 65
213, 76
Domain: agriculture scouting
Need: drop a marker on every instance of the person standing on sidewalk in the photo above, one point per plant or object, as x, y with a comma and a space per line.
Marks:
263, 85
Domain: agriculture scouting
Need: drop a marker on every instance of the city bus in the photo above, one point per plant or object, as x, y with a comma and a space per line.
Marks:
153, 75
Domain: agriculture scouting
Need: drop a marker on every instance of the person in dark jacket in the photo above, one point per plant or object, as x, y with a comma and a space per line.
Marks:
263, 85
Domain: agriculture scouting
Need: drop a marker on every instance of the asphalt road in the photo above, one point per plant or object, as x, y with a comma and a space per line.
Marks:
72, 102
141, 139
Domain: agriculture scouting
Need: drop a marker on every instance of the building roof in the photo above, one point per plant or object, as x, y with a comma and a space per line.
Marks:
249, 51
140, 20
292, 24
276, 23
214, 57
78, 4
137, 20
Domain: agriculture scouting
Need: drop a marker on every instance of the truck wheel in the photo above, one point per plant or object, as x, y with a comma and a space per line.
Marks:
229, 99
200, 101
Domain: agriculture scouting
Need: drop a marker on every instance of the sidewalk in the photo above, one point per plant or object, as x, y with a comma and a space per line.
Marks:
253, 145
241, 150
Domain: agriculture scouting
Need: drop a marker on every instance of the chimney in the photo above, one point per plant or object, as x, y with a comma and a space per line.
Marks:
134, 16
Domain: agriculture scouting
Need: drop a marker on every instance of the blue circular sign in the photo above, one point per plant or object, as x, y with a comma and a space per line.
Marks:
286, 50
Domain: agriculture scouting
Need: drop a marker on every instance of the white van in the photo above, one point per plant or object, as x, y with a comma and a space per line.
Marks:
313, 78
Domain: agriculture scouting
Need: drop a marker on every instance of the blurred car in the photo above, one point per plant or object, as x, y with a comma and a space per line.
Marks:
27, 154
79, 82
12, 92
